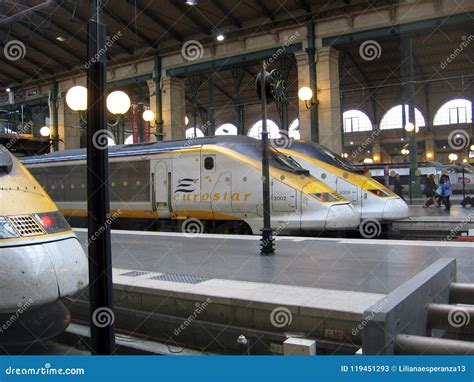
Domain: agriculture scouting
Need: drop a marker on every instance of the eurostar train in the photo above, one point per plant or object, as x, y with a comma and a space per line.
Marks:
41, 259
203, 184
373, 200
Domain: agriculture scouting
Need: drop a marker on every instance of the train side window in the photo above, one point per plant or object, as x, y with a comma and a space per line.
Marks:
209, 163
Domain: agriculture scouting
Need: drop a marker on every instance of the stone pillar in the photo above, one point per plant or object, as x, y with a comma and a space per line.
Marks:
376, 152
304, 115
330, 124
69, 129
430, 147
151, 89
174, 108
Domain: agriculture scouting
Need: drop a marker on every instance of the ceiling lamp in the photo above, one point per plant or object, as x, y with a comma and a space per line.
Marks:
220, 37
118, 102
76, 98
191, 2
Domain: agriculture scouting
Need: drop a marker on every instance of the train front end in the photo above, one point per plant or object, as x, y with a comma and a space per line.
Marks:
41, 259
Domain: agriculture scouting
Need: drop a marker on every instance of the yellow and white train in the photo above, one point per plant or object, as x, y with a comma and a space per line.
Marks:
41, 259
376, 203
209, 183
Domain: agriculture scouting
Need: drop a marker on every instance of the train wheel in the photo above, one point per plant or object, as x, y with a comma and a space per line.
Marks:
233, 228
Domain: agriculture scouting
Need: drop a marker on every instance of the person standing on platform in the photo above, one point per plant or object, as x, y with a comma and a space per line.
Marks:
430, 190
398, 187
444, 190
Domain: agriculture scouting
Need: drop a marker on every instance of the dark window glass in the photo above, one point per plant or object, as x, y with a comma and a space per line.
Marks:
209, 163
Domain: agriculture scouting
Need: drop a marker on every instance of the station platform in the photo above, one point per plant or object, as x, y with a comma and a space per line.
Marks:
362, 265
202, 293
434, 222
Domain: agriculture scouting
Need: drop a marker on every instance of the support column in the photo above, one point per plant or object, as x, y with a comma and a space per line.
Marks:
53, 114
174, 108
304, 114
430, 148
211, 119
154, 129
69, 126
328, 95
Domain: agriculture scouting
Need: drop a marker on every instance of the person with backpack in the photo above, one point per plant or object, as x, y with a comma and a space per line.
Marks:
429, 190
445, 191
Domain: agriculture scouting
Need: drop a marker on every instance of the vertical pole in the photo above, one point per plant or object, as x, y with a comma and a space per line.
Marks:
53, 107
267, 232
141, 122
312, 79
100, 257
414, 179
211, 111
158, 100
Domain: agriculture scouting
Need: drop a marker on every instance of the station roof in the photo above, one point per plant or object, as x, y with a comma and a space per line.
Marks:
54, 32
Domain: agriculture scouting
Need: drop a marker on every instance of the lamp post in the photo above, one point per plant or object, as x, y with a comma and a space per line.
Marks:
267, 232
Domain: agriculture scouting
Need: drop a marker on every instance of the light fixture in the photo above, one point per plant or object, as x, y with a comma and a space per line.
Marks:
409, 127
453, 157
8, 90
60, 38
118, 102
45, 131
464, 160
148, 115
306, 94
186, 120
352, 142
76, 98
376, 158
444, 147
368, 161
220, 37
429, 155
405, 151
471, 148
345, 155
191, 2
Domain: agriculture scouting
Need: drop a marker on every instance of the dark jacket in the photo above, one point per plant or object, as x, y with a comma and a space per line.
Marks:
430, 187
397, 187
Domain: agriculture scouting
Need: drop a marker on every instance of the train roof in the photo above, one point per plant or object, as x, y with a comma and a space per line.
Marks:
240, 143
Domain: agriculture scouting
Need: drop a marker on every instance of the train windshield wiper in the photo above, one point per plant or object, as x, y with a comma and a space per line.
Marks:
287, 161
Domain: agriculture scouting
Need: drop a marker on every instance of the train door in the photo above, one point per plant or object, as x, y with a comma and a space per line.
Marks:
217, 167
161, 183
283, 197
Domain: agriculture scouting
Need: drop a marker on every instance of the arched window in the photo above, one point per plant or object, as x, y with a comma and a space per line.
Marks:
226, 129
355, 121
393, 118
190, 133
256, 130
453, 112
294, 129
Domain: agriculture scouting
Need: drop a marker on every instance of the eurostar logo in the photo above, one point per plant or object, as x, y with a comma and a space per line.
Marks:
186, 185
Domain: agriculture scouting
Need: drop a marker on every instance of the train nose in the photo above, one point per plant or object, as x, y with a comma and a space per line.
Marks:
342, 216
395, 209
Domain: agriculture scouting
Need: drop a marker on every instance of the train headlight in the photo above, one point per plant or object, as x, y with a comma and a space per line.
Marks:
53, 222
380, 193
6, 230
324, 196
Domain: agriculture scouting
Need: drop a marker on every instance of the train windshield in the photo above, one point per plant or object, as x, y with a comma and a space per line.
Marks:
324, 154
286, 161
